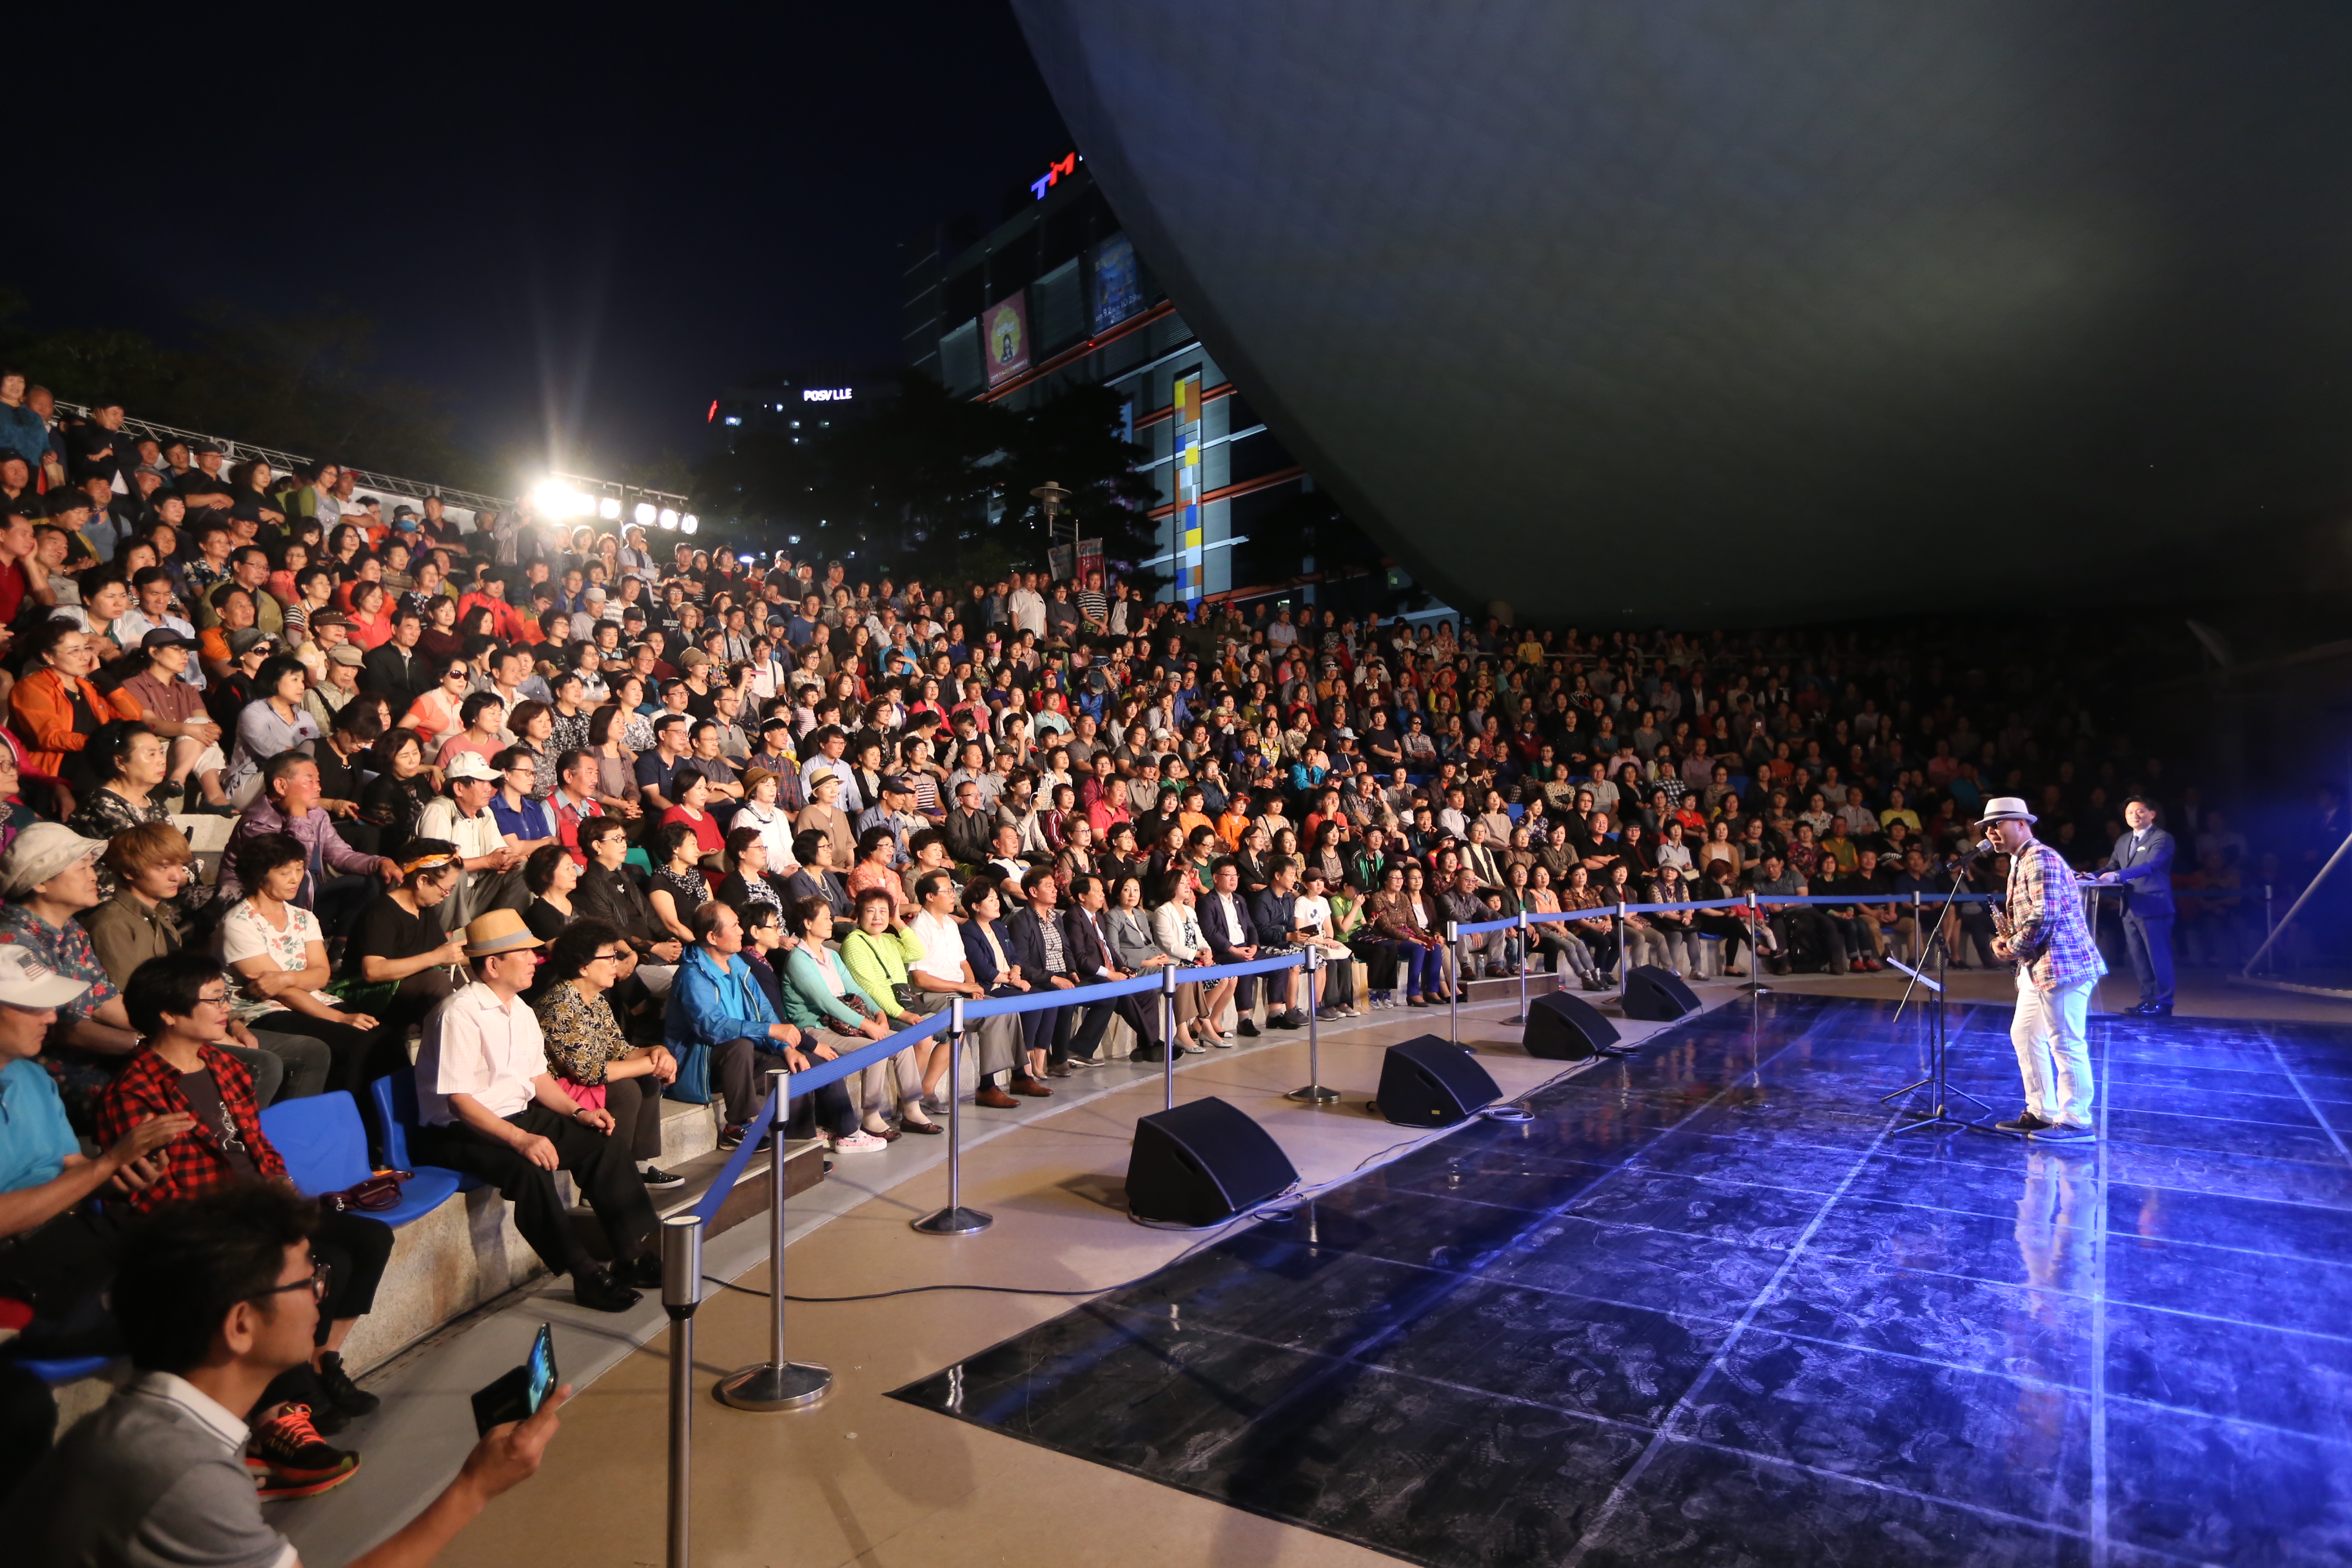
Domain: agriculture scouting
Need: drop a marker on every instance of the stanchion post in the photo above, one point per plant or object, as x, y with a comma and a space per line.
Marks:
1168, 1036
1527, 957
955, 1219
1623, 932
2270, 925
776, 1383
1756, 944
1916, 910
1314, 1093
1454, 989
681, 1258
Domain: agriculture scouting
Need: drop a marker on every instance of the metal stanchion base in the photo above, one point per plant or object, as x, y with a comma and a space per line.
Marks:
767, 1386
1508, 1113
1314, 1094
953, 1222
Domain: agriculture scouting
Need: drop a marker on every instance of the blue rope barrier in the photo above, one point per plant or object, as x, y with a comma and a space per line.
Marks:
1604, 912
823, 1073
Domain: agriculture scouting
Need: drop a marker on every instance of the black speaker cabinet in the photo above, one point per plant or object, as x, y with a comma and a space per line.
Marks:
1202, 1163
1656, 995
1565, 1028
1433, 1083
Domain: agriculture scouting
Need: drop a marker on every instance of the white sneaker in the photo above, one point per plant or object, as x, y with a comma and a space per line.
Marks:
859, 1144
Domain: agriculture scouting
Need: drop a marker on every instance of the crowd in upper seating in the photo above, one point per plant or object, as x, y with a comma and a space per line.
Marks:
596, 817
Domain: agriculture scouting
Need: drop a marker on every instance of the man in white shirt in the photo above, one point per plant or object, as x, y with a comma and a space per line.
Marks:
944, 973
1026, 606
493, 874
831, 743
491, 1107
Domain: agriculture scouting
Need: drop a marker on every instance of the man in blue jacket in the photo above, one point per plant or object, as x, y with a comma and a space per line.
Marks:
2142, 864
717, 1002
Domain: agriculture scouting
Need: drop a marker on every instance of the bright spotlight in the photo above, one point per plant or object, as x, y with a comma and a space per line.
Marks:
668, 518
550, 497
645, 514
687, 524
609, 508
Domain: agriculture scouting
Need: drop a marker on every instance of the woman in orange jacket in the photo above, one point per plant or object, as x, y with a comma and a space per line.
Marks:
55, 707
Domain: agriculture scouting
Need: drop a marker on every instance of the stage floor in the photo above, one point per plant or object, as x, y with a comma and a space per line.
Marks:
1712, 1306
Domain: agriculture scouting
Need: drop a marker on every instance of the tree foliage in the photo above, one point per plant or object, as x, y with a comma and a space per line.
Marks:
303, 383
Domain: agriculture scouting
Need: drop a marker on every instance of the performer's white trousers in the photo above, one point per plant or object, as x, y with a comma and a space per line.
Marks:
2053, 1052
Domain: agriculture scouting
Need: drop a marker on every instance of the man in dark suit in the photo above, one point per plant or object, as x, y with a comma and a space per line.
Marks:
1274, 913
1233, 935
398, 670
1091, 956
2142, 864
1040, 943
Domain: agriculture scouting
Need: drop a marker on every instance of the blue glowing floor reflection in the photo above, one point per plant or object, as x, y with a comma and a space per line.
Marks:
1709, 1307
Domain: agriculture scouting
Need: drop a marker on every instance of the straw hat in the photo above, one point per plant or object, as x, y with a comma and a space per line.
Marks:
500, 931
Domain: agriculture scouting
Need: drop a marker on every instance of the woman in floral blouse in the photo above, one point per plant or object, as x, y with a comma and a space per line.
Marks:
586, 1051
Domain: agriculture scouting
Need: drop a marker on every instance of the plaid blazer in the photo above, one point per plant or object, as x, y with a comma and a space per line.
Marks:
2047, 930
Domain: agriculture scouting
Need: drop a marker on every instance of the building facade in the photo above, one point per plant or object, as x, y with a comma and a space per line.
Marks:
1055, 297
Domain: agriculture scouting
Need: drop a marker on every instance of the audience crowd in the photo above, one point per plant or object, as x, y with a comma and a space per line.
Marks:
568, 821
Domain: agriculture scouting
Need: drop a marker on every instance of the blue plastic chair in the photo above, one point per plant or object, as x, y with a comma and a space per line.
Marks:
395, 1106
69, 1370
325, 1149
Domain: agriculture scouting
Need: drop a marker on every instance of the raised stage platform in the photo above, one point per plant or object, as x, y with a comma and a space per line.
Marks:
1712, 1306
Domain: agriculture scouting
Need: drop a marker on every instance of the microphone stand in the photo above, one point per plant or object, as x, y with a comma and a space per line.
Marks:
1940, 1117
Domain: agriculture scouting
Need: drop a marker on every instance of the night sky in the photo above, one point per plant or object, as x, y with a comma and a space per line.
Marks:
578, 231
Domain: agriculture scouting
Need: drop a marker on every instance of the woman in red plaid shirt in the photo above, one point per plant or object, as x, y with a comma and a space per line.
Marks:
179, 1004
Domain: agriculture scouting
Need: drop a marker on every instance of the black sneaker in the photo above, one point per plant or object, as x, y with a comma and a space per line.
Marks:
1247, 1029
657, 1177
348, 1398
2063, 1133
593, 1287
289, 1459
730, 1137
2024, 1121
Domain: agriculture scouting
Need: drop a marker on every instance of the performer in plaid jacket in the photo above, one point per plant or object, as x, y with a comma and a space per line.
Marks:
2044, 933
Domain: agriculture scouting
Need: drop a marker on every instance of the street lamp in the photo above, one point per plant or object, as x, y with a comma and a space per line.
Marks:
1052, 498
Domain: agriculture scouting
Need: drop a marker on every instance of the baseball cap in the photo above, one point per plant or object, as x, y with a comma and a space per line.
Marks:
347, 653
472, 765
27, 982
163, 637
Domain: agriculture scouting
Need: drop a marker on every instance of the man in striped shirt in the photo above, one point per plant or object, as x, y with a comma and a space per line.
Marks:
2047, 937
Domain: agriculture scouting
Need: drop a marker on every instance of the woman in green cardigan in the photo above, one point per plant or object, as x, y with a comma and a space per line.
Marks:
820, 993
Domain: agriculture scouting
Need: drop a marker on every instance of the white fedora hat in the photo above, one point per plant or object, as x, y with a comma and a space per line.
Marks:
2006, 808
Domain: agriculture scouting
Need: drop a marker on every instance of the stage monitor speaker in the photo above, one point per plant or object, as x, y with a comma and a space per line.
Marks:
1433, 1083
1565, 1028
1202, 1163
1657, 995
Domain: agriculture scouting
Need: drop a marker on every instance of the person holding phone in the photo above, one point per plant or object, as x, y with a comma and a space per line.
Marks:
217, 1300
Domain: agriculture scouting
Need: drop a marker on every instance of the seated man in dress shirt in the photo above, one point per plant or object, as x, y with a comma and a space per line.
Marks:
490, 1106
